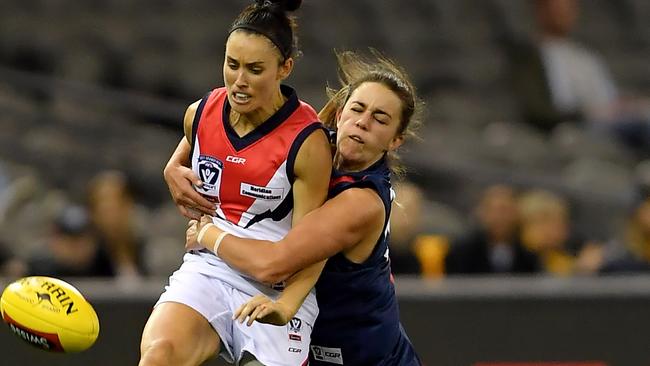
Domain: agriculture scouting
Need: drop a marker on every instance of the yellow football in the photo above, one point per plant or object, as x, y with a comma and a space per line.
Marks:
50, 314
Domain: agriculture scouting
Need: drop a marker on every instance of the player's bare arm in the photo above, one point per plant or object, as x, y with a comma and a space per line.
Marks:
279, 312
313, 169
351, 222
180, 178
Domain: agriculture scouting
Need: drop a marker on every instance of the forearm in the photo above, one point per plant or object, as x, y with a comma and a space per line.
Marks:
264, 260
298, 287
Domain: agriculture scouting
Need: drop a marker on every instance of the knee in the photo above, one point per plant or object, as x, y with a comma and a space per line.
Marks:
160, 352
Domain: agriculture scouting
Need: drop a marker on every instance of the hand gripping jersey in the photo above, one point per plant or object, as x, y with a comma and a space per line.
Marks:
250, 177
358, 323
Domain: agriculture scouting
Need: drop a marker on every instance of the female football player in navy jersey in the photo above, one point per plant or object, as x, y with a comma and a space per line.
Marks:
260, 157
358, 322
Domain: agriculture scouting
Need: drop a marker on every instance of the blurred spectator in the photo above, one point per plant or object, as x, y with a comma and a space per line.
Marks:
559, 80
72, 249
546, 230
405, 225
5, 192
632, 252
493, 246
113, 214
10, 265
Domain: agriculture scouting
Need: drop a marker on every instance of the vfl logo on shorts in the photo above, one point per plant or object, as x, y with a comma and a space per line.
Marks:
209, 170
327, 354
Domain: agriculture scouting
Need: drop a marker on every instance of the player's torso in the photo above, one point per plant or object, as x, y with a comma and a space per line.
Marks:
250, 177
359, 318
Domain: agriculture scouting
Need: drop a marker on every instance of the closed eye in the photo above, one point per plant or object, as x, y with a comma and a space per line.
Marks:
381, 121
256, 70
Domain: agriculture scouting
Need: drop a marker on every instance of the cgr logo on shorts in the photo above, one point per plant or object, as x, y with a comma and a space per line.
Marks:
327, 354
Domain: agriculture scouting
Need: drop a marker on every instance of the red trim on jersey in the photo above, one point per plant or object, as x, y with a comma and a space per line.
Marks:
341, 179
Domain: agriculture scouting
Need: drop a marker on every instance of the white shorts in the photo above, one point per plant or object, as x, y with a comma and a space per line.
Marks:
216, 301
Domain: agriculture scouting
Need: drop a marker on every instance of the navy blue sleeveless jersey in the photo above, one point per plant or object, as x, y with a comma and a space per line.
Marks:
358, 323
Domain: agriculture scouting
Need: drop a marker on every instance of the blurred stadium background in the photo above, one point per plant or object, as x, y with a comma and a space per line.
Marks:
101, 86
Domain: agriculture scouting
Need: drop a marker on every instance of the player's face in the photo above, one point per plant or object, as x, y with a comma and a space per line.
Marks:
252, 72
368, 125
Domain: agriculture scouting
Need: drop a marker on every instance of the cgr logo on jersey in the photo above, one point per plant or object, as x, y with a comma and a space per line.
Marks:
235, 159
209, 170
327, 354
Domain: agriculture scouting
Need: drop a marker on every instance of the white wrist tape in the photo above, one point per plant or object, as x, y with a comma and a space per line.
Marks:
203, 231
217, 242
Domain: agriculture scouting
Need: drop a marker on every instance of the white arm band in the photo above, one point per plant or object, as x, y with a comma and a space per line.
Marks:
218, 241
203, 231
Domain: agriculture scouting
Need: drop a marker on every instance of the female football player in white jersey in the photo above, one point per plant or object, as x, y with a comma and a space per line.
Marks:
263, 162
358, 322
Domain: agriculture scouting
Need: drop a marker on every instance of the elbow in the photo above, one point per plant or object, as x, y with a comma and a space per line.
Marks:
272, 270
269, 277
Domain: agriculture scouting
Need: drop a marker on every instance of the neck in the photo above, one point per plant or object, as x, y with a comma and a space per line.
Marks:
343, 165
259, 115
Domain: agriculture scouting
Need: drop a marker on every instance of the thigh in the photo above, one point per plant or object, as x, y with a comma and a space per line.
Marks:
204, 295
192, 337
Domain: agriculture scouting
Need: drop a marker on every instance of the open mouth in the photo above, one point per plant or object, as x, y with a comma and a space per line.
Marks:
356, 138
241, 97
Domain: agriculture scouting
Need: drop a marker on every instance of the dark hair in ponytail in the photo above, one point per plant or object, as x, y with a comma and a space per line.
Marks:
270, 19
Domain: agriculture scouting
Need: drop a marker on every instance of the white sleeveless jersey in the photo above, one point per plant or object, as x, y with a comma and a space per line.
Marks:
250, 177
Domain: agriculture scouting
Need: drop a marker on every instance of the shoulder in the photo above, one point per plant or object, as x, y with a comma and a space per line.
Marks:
308, 110
366, 202
212, 95
192, 109
316, 140
188, 120
379, 183
314, 154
